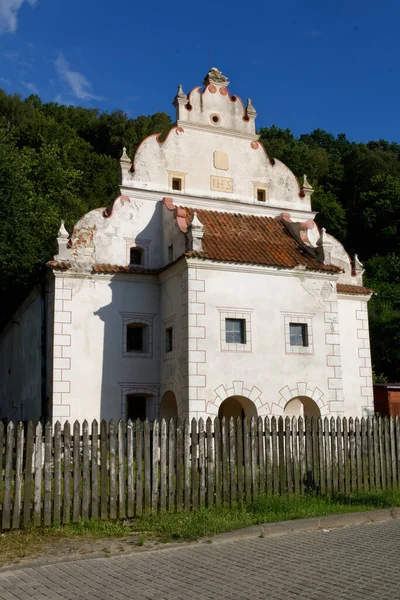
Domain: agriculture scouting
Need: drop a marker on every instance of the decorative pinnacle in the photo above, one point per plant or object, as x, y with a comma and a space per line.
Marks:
62, 232
181, 93
306, 184
251, 111
216, 77
124, 156
196, 223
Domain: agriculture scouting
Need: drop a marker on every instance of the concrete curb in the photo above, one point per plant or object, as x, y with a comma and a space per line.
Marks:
312, 524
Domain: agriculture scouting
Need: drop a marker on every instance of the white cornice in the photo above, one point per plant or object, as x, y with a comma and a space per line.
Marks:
359, 297
127, 277
217, 130
208, 203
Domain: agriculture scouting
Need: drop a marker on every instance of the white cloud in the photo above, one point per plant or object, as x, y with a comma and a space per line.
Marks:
9, 13
79, 85
31, 87
5, 81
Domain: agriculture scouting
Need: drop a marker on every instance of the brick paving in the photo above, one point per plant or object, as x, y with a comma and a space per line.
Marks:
358, 563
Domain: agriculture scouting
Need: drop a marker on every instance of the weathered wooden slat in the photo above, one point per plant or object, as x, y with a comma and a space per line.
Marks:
247, 463
37, 497
85, 471
295, 454
202, 464
370, 445
6, 517
67, 474
225, 461
397, 430
253, 451
57, 473
288, 456
357, 433
139, 468
112, 433
232, 460
281, 456
19, 455
328, 456
210, 464
217, 460
179, 465
147, 466
121, 470
274, 456
346, 457
154, 468
103, 470
2, 450
387, 454
393, 452
339, 443
130, 473
364, 454
315, 453
48, 442
186, 465
335, 485
309, 464
377, 462
76, 506
171, 465
261, 455
302, 455
94, 513
194, 463
163, 466
353, 465
268, 470
382, 461
321, 456
239, 458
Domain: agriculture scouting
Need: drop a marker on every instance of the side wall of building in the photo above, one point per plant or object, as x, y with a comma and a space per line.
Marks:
20, 362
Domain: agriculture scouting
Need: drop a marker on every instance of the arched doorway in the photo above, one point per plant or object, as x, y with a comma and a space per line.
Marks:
301, 406
237, 406
168, 406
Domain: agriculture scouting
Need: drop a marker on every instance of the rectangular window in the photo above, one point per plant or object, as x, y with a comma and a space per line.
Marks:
136, 407
176, 183
235, 331
168, 340
261, 196
135, 337
298, 334
170, 253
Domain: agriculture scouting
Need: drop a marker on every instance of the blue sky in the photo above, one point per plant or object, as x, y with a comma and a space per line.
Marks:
333, 65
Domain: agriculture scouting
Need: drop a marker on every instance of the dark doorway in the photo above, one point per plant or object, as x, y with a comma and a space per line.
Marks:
135, 407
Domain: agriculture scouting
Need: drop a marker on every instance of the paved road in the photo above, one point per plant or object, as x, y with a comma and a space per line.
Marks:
357, 563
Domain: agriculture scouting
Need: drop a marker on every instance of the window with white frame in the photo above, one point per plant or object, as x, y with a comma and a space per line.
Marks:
137, 252
298, 333
137, 335
169, 338
235, 329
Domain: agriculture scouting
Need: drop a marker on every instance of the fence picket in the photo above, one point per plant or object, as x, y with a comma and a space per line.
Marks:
377, 462
67, 474
179, 465
171, 465
210, 464
247, 465
281, 457
346, 457
309, 464
121, 470
85, 471
202, 464
57, 473
94, 513
370, 445
357, 433
334, 457
2, 441
103, 470
130, 473
397, 430
268, 474
328, 456
6, 521
382, 462
163, 466
339, 444
48, 440
19, 455
217, 463
194, 461
139, 467
37, 497
288, 456
315, 452
387, 455
295, 451
76, 503
147, 465
232, 459
154, 467
393, 453
321, 455
364, 454
225, 463
261, 455
186, 464
112, 435
239, 458
302, 455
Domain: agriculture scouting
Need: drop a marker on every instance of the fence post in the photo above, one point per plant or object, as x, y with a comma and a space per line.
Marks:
154, 468
202, 463
247, 466
282, 474
139, 468
195, 482
295, 449
288, 456
6, 524
210, 464
334, 457
76, 506
179, 465
217, 463
163, 466
340, 454
112, 432
37, 505
268, 473
85, 471
171, 465
18, 476
130, 444
225, 466
186, 464
147, 466
364, 453
232, 460
48, 440
95, 470
57, 474
121, 470
393, 453
103, 470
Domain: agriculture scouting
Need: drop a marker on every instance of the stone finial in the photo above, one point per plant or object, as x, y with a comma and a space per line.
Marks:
325, 246
179, 102
250, 110
196, 232
124, 156
125, 164
216, 77
181, 93
306, 188
358, 270
62, 241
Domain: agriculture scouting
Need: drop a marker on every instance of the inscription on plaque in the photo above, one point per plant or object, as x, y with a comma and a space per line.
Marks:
221, 184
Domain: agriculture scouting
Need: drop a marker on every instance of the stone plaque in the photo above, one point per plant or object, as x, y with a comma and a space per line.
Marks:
221, 184
221, 160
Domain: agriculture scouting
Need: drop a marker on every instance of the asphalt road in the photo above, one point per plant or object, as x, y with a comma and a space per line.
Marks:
357, 562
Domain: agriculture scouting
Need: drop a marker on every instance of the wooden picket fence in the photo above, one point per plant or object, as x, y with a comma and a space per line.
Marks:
123, 470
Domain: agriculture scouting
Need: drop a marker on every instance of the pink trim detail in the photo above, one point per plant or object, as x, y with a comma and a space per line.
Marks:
255, 145
212, 89
223, 91
109, 210
179, 213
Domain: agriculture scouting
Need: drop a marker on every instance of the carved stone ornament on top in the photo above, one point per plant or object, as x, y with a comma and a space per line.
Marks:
214, 76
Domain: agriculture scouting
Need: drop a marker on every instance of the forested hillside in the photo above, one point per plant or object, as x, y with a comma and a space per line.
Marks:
59, 162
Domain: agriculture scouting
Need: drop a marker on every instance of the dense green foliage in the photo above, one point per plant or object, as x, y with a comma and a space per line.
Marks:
59, 162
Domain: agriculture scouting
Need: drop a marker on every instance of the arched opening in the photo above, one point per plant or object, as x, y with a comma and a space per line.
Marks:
237, 406
302, 406
168, 406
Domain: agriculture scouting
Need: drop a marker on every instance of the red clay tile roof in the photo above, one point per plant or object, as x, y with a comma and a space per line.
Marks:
353, 289
59, 264
104, 268
241, 238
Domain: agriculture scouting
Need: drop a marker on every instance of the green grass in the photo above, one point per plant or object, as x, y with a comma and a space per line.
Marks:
183, 526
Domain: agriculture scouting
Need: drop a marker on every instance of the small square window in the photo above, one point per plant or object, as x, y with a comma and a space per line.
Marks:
261, 195
235, 331
136, 256
168, 340
170, 253
298, 334
176, 183
135, 337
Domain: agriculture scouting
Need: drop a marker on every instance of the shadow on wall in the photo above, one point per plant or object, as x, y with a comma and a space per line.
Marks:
131, 340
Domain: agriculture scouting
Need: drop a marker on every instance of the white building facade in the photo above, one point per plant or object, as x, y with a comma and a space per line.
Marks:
205, 289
